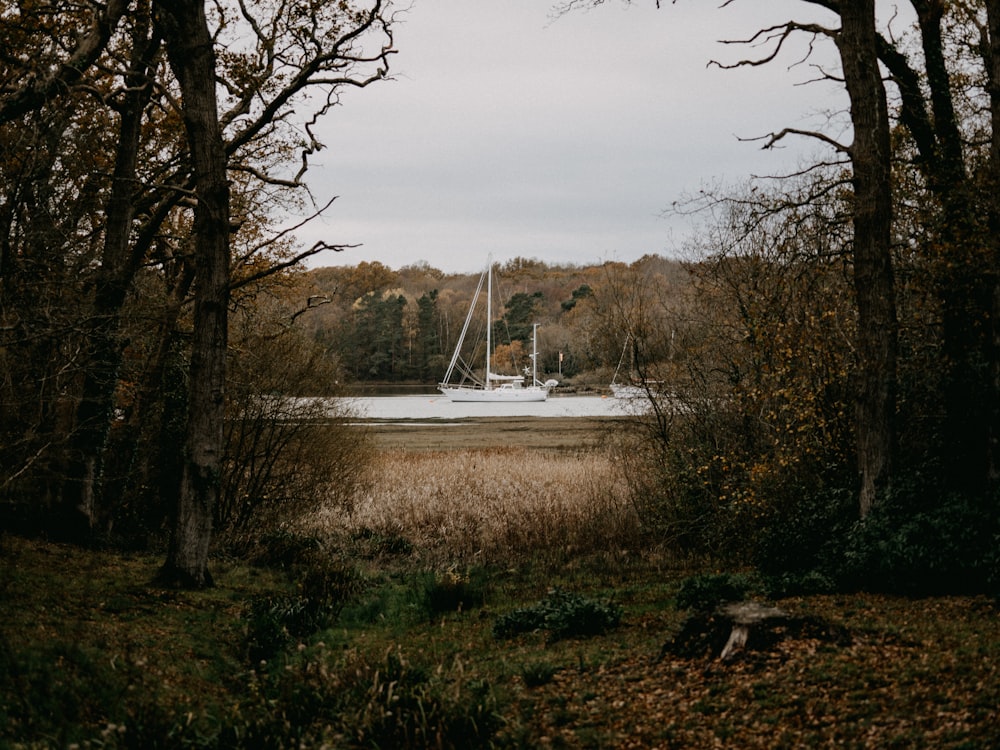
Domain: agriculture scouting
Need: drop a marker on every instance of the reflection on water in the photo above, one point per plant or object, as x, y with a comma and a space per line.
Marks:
430, 406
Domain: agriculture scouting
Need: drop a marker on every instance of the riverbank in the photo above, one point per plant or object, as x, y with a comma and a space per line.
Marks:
557, 434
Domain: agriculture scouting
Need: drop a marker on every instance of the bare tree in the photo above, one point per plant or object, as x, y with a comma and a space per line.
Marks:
869, 154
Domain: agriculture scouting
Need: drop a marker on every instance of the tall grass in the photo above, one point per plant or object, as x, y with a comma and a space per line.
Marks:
492, 505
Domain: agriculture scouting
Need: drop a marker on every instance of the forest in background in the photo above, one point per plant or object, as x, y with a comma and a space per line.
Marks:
393, 325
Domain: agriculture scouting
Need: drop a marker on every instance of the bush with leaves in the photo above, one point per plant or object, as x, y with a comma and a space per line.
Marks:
921, 540
754, 415
274, 622
453, 590
562, 614
705, 592
284, 549
801, 543
324, 699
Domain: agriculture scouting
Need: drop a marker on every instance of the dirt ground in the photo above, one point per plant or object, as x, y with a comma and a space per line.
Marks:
547, 433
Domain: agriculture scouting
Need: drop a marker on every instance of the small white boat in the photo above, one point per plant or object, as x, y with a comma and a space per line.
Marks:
491, 387
636, 388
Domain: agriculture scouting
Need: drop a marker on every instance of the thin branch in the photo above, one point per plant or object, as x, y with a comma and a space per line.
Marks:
288, 263
27, 465
290, 230
772, 139
310, 74
771, 35
266, 178
311, 304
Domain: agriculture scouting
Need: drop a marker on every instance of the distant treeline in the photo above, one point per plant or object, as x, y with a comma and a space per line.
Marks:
402, 325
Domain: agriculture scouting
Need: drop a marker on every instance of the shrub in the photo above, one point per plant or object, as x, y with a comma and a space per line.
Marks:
804, 538
281, 548
563, 614
676, 488
801, 583
286, 453
914, 544
451, 591
538, 673
276, 621
319, 699
703, 593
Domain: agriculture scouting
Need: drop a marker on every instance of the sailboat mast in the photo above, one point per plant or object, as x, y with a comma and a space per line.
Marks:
534, 354
465, 329
489, 319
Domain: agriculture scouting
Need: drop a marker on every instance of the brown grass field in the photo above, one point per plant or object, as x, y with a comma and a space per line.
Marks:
554, 434
491, 490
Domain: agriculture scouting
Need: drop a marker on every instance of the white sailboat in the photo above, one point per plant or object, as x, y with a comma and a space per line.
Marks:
492, 387
635, 388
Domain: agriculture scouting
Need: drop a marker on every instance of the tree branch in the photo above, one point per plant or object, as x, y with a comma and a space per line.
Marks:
311, 304
778, 35
67, 73
772, 139
286, 264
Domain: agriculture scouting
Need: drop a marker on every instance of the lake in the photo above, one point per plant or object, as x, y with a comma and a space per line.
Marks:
430, 407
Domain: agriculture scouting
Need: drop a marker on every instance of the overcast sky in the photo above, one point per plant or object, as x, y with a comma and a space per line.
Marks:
507, 132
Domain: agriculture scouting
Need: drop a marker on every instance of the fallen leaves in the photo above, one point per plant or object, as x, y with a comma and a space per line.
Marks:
878, 690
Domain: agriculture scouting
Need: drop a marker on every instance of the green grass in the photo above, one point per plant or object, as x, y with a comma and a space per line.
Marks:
92, 654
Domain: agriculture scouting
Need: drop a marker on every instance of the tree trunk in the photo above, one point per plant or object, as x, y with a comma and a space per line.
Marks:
119, 264
873, 274
746, 616
991, 52
965, 288
158, 380
191, 55
965, 256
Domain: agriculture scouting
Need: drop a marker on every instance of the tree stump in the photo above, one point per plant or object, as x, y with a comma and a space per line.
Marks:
744, 616
737, 627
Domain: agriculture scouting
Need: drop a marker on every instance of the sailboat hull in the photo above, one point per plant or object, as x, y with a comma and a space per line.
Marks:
503, 394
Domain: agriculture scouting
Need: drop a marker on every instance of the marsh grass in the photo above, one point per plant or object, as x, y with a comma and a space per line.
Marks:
490, 505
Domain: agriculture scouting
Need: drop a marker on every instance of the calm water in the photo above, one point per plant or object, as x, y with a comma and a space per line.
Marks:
432, 406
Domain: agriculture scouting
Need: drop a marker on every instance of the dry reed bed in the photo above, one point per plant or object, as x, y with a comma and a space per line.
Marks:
492, 505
